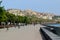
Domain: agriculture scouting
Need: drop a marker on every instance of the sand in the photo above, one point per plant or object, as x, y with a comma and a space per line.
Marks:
29, 32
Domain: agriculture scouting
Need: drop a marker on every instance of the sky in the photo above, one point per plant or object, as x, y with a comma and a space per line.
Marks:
50, 6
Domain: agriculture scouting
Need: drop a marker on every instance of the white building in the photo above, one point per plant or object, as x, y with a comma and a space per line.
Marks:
16, 12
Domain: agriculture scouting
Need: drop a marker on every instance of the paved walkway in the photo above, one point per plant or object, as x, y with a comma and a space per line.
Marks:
29, 32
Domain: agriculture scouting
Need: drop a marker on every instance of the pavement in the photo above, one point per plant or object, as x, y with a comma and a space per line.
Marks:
29, 32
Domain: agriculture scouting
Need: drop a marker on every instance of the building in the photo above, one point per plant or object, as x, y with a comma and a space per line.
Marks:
29, 12
15, 12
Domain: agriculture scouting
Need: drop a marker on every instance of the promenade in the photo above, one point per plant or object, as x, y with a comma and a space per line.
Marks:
29, 32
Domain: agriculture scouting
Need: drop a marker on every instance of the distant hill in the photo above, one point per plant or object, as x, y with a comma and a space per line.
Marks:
29, 12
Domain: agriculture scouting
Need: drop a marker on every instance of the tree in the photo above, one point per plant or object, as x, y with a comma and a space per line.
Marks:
3, 17
10, 17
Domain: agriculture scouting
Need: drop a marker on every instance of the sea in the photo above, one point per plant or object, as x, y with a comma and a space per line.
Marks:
56, 29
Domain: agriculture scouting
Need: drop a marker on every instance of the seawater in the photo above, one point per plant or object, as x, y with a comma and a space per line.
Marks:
55, 25
56, 28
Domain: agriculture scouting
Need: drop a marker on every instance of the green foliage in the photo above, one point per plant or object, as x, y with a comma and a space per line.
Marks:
10, 17
2, 14
27, 19
56, 17
20, 19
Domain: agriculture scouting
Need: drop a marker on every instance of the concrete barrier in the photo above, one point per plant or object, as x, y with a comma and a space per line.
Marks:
48, 34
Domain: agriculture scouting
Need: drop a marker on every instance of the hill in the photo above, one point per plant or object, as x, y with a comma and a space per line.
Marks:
30, 13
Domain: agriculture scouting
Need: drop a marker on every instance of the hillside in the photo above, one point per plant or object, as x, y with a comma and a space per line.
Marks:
29, 12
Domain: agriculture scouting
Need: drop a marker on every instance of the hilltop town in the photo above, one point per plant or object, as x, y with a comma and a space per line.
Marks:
30, 12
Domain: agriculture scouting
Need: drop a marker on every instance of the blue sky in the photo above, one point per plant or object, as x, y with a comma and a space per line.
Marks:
52, 6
